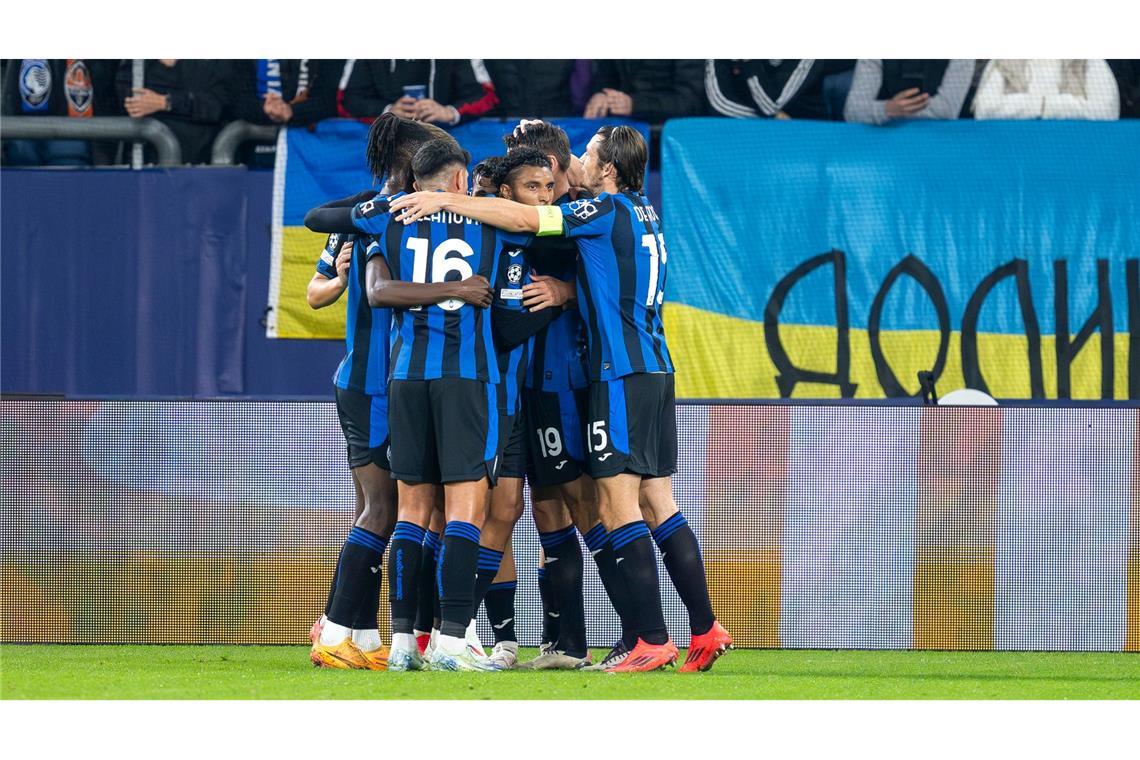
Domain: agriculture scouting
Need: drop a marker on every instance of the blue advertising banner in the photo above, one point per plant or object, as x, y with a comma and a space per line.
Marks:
838, 260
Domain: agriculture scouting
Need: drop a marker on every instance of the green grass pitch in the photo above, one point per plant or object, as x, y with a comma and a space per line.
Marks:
283, 672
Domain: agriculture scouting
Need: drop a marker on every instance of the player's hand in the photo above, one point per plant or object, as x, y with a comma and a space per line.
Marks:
344, 261
597, 107
475, 290
907, 103
144, 102
545, 291
520, 128
415, 206
619, 103
576, 172
405, 107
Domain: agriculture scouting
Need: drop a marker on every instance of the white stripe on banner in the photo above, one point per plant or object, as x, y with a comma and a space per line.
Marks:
848, 562
1062, 529
280, 164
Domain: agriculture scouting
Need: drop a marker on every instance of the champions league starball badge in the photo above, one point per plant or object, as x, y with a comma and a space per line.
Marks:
514, 274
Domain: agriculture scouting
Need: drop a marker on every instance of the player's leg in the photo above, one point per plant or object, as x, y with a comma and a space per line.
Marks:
500, 604
361, 557
315, 629
465, 416
617, 434
681, 554
416, 469
504, 510
550, 515
427, 601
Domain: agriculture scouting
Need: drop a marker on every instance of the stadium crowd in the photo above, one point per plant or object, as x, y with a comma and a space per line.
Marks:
197, 98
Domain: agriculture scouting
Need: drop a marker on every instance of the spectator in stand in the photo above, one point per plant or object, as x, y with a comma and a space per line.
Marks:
186, 95
649, 90
454, 90
1127, 75
286, 91
533, 88
837, 76
72, 87
295, 91
1081, 88
885, 90
772, 88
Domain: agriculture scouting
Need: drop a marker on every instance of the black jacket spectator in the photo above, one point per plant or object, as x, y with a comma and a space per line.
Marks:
767, 88
375, 85
533, 87
196, 102
308, 86
1127, 74
660, 89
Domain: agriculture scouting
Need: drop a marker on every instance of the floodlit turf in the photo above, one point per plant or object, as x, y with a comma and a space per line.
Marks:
263, 672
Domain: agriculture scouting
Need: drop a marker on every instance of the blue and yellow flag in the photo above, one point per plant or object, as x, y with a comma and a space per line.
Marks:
839, 260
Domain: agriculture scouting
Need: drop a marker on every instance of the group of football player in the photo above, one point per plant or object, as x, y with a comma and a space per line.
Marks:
507, 333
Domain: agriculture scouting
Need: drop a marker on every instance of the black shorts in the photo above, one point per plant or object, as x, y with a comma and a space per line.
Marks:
554, 430
443, 431
364, 422
512, 446
632, 426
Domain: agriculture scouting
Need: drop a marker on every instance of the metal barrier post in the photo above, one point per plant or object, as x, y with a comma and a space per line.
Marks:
233, 135
96, 128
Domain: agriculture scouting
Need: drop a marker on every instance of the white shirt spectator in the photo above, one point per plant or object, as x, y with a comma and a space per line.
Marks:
1047, 89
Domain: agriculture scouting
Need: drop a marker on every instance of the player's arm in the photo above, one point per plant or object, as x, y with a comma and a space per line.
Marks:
497, 212
341, 215
385, 292
324, 290
514, 326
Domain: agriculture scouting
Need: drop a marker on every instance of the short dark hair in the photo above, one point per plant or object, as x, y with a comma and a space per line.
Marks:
435, 156
519, 158
546, 137
625, 148
491, 167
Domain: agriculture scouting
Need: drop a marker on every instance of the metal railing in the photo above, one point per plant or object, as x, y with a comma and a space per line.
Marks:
98, 128
233, 135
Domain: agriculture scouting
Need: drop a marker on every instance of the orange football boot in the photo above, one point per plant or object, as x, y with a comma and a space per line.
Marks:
706, 648
646, 657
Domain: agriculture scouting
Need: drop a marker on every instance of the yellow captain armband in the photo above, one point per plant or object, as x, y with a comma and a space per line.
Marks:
549, 221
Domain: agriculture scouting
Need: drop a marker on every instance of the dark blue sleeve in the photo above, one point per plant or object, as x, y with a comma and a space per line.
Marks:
326, 264
588, 217
371, 216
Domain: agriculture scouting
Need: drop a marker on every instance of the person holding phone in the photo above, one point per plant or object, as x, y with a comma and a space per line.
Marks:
885, 90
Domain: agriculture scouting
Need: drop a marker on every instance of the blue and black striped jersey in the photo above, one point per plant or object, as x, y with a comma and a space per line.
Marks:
451, 338
514, 273
558, 361
364, 368
621, 283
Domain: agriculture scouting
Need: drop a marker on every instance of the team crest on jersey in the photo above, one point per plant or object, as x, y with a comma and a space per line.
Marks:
514, 274
583, 209
78, 89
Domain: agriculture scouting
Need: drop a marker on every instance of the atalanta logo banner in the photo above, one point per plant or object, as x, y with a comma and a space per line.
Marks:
839, 260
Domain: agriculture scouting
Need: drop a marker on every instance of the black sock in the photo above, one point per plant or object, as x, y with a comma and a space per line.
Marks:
598, 542
436, 615
486, 570
403, 574
637, 566
500, 601
360, 564
564, 576
332, 586
682, 557
369, 614
426, 601
549, 609
455, 577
